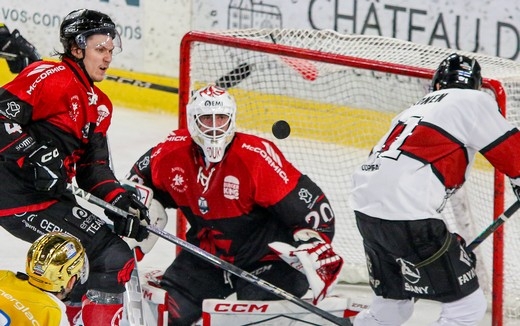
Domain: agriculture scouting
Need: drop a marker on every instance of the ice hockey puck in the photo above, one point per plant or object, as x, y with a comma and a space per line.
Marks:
281, 129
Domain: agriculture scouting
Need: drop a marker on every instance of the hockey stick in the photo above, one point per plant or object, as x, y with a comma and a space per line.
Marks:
133, 310
217, 261
142, 84
304, 68
229, 80
494, 226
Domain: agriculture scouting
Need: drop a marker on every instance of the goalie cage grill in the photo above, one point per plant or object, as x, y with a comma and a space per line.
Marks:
339, 93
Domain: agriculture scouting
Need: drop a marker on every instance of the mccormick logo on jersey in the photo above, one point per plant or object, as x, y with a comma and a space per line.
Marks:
45, 70
174, 138
231, 187
270, 156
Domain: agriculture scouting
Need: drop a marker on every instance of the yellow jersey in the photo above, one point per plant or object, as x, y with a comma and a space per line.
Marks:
23, 304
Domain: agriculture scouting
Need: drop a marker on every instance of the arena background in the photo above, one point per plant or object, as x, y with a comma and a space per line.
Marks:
152, 31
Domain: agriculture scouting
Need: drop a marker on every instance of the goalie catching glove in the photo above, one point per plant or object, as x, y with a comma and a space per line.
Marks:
134, 224
315, 258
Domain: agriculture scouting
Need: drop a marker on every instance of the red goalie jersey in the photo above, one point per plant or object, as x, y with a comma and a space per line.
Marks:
253, 197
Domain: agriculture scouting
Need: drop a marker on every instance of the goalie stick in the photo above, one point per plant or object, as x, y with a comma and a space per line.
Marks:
217, 261
229, 80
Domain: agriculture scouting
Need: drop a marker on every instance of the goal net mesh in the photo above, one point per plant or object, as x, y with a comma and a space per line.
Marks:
339, 94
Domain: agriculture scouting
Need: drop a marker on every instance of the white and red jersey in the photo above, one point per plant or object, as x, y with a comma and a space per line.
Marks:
254, 196
427, 154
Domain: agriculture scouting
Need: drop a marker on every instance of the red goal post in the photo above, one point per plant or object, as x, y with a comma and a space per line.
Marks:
339, 93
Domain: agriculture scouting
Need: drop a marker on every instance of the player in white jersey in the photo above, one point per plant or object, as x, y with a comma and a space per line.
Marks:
400, 191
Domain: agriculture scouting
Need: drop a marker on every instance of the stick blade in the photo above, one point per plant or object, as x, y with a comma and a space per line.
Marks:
235, 76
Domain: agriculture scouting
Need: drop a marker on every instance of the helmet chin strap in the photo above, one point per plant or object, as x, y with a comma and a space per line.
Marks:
82, 66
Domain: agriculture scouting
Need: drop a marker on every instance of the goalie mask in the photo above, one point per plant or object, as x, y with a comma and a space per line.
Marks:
53, 259
458, 71
78, 25
211, 121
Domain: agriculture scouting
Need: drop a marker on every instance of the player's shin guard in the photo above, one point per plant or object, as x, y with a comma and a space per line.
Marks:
101, 308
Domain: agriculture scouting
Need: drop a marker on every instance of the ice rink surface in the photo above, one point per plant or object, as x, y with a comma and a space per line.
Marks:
131, 134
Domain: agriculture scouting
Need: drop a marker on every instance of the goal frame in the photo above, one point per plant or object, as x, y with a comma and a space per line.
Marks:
355, 62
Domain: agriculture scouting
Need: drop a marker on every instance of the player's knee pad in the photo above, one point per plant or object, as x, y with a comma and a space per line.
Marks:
385, 312
467, 311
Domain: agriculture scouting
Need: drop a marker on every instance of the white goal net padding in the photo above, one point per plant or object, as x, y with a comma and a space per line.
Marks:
339, 93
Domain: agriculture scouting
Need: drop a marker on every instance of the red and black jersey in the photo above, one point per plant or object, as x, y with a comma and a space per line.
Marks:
235, 207
426, 155
53, 103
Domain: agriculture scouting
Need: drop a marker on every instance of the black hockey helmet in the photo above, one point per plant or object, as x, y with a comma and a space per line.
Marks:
458, 71
81, 23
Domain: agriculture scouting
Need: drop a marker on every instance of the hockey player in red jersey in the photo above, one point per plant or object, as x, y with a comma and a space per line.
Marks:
240, 196
400, 191
55, 123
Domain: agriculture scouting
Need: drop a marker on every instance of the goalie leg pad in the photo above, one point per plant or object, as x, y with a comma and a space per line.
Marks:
279, 312
155, 305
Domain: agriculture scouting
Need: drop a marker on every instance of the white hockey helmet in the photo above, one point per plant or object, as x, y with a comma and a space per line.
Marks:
211, 121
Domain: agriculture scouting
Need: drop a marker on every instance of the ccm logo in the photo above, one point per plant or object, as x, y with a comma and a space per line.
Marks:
240, 307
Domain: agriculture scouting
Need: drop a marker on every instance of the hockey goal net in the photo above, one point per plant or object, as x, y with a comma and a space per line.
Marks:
339, 93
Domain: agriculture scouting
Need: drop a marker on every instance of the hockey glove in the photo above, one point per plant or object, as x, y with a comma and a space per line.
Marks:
49, 171
134, 225
20, 53
315, 258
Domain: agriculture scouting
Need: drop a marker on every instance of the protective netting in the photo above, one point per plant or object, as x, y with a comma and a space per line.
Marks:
338, 107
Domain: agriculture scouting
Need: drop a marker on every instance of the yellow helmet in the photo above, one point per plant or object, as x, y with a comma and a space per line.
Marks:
53, 259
